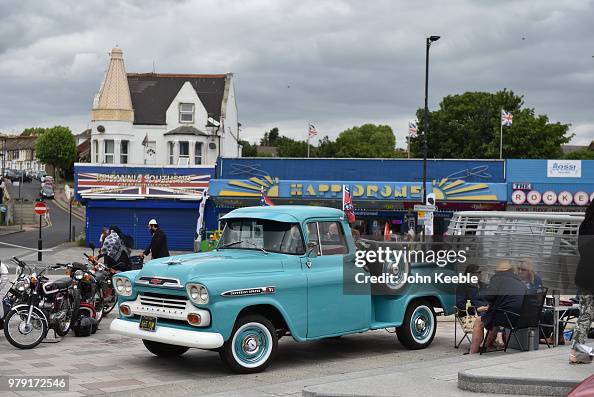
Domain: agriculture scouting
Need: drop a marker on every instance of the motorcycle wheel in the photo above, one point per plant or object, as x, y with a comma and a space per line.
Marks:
110, 299
98, 303
70, 306
19, 334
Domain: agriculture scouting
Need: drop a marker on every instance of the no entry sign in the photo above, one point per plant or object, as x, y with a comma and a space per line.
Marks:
40, 208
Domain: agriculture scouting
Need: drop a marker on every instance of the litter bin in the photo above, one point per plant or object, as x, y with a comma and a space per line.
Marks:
528, 337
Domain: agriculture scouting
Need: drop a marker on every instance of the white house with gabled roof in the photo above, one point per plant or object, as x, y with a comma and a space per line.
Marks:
163, 119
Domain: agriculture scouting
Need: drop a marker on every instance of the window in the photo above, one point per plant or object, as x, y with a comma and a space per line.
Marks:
108, 151
170, 147
198, 153
96, 150
184, 153
124, 152
329, 236
15, 154
186, 112
258, 234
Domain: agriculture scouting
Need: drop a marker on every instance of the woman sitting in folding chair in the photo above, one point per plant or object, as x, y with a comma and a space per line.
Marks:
505, 293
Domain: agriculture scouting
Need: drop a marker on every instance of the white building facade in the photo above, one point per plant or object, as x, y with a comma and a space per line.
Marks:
163, 119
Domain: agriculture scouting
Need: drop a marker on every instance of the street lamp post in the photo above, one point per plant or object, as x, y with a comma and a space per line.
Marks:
430, 40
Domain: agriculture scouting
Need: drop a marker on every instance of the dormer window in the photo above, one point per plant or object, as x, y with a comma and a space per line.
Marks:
186, 112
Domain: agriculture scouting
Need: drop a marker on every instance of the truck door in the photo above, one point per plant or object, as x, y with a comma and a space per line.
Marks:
330, 310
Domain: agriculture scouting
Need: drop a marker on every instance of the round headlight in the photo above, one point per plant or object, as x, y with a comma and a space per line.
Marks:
127, 286
123, 286
22, 284
78, 274
194, 293
203, 294
197, 293
119, 284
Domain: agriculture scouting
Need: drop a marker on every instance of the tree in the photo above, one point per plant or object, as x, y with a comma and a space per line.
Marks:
288, 147
468, 126
582, 154
368, 140
56, 147
326, 148
270, 138
248, 150
33, 131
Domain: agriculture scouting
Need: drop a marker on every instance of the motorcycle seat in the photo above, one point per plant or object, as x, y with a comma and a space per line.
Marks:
60, 283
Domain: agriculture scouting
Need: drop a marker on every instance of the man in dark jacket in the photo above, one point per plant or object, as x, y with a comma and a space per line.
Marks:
158, 246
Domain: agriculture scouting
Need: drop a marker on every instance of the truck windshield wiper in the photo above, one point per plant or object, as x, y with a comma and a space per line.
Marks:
247, 242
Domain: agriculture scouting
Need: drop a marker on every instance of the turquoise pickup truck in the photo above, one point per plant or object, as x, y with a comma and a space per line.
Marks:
277, 271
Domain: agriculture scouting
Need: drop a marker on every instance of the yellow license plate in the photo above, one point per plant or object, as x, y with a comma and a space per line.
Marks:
148, 323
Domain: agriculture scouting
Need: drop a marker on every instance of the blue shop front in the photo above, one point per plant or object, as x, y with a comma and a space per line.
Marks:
129, 196
384, 191
550, 185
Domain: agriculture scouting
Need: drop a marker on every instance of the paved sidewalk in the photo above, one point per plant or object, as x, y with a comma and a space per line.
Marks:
543, 372
69, 252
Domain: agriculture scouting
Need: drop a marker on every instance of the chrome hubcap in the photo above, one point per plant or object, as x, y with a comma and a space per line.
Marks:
420, 324
250, 344
25, 328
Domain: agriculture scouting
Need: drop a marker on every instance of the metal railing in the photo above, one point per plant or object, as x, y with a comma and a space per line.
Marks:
548, 240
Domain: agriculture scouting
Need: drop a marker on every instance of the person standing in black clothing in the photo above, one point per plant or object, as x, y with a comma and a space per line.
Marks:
158, 246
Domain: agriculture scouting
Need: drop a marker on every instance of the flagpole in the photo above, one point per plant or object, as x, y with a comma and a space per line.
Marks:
408, 145
500, 134
307, 140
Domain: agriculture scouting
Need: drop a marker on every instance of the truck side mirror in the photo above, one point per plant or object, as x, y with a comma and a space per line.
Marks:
312, 249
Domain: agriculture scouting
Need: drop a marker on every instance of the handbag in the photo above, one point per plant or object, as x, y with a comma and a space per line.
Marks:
468, 323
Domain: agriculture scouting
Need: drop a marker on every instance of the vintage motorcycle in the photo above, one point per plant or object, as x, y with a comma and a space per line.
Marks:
37, 304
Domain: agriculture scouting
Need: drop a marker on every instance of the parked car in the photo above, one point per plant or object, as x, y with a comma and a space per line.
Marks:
12, 175
40, 175
281, 270
47, 191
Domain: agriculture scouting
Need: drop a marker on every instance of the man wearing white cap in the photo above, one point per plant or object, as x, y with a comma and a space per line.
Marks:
158, 246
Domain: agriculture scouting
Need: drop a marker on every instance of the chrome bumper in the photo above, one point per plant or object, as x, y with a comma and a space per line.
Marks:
172, 336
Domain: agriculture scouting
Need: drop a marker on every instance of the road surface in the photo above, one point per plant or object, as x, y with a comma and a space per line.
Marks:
52, 236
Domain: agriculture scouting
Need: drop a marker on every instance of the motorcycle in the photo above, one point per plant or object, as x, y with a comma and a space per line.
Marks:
86, 280
105, 275
36, 305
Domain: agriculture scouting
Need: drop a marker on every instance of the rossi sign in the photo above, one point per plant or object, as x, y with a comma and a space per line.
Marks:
564, 168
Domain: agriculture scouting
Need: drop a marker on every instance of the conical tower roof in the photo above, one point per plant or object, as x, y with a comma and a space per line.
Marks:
113, 101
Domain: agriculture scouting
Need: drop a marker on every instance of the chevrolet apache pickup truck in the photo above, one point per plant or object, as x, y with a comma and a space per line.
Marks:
277, 271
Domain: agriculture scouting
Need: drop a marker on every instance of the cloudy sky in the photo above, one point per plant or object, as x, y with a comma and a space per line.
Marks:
336, 63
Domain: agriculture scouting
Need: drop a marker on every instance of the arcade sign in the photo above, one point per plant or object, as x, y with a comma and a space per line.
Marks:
549, 197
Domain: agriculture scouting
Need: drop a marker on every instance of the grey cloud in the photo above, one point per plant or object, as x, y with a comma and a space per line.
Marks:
339, 63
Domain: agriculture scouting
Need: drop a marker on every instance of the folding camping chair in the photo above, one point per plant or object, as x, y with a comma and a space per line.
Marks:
528, 317
465, 322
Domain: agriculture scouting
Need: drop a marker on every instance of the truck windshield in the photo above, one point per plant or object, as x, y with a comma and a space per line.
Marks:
259, 234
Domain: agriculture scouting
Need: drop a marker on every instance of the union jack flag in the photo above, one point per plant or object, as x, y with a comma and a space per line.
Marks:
264, 200
139, 185
412, 128
347, 204
311, 131
506, 118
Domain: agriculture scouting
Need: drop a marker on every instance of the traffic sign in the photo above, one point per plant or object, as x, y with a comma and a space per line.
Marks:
428, 208
40, 208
